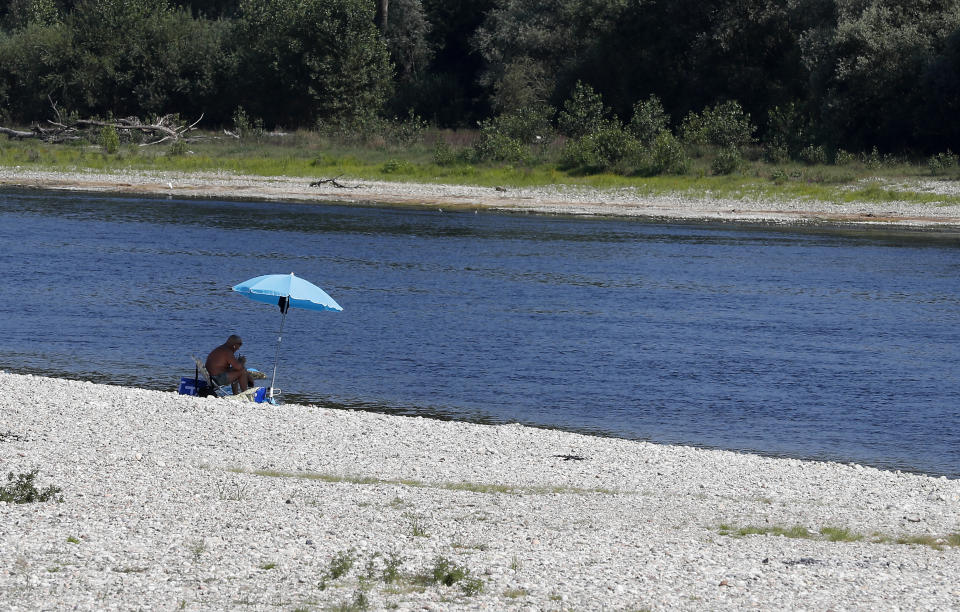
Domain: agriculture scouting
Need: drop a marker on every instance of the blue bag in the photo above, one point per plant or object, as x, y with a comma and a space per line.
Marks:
191, 386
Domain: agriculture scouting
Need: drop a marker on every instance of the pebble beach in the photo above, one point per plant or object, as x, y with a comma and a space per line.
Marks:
556, 199
172, 502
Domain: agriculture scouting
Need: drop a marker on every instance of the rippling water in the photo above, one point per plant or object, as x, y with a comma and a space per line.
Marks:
822, 344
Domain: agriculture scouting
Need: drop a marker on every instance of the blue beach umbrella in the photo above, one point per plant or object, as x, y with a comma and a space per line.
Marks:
286, 290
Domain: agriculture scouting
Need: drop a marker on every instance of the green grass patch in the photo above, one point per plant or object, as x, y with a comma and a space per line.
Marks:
839, 534
921, 540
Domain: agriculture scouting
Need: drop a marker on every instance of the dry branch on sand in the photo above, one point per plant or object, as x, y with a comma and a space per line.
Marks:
332, 181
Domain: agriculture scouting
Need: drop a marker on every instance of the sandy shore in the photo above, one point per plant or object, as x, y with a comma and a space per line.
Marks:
172, 502
626, 202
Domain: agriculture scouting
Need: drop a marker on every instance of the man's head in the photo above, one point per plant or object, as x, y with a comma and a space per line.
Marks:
234, 342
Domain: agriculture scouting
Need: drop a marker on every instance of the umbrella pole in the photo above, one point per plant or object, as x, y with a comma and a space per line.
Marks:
276, 357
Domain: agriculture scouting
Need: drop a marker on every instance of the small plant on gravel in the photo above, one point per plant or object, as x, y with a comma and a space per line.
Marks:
953, 539
231, 491
399, 503
391, 570
515, 564
446, 573
73, 540
515, 593
370, 571
197, 549
340, 565
417, 527
22, 490
471, 586
268, 566
359, 603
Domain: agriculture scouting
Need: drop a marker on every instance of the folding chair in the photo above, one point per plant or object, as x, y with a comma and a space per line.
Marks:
224, 391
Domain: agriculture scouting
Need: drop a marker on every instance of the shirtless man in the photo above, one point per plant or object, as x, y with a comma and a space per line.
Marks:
224, 368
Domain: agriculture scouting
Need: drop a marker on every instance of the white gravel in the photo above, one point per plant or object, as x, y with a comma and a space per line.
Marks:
166, 505
568, 200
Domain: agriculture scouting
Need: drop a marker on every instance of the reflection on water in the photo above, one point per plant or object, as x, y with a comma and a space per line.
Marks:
820, 343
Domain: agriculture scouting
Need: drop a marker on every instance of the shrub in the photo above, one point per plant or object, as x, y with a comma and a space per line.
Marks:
443, 154
244, 126
177, 147
446, 573
667, 155
370, 129
941, 163
727, 161
405, 132
776, 154
787, 130
843, 158
109, 139
724, 125
648, 120
582, 114
614, 145
528, 125
610, 148
494, 146
22, 490
873, 159
813, 155
578, 154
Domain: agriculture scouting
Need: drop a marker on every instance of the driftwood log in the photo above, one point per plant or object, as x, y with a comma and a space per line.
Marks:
331, 181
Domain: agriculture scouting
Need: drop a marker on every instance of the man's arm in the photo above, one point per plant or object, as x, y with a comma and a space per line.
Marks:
235, 364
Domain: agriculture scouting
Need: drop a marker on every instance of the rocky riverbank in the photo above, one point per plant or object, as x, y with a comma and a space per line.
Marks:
172, 502
566, 200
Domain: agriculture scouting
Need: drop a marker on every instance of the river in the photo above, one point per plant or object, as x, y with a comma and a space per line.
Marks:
813, 343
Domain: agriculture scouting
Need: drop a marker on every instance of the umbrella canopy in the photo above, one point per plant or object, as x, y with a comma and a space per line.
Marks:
286, 290
299, 293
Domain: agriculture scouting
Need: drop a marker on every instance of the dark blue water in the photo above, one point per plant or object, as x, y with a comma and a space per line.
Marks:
821, 344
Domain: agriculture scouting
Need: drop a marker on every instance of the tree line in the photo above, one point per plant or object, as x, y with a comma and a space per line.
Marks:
834, 74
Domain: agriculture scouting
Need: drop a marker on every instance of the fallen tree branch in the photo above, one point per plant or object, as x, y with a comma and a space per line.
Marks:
165, 128
332, 181
16, 133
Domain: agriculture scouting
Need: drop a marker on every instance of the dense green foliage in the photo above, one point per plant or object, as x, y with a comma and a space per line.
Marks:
624, 85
